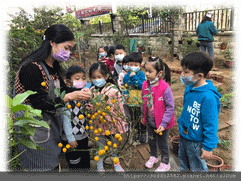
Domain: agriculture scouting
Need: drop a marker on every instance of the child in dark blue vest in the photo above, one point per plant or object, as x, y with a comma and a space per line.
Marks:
73, 130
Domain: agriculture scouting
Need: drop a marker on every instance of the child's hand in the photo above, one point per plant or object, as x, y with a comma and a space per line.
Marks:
132, 74
73, 144
206, 154
160, 129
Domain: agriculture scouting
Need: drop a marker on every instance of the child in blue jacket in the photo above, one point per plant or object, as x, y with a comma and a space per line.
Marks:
198, 123
134, 80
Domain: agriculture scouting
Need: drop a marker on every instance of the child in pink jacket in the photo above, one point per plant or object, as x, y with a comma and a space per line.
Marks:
103, 84
158, 111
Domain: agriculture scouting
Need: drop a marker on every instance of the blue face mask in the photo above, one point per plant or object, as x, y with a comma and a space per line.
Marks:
99, 82
126, 68
102, 54
134, 69
187, 80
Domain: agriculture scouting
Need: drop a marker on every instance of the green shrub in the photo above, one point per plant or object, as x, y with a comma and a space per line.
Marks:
22, 41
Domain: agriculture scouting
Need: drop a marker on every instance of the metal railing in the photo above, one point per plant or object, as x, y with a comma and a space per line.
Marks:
139, 25
222, 19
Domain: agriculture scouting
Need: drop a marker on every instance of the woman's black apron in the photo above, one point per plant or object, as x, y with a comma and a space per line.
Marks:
37, 160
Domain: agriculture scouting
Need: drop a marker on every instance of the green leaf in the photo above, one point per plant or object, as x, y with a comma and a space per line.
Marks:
40, 148
106, 98
37, 112
18, 99
8, 101
62, 95
57, 92
18, 107
34, 122
27, 130
27, 142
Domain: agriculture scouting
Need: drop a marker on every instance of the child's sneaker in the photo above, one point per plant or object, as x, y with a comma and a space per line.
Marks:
118, 168
163, 167
152, 160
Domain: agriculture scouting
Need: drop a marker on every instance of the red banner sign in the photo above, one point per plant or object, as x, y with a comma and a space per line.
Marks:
99, 9
68, 6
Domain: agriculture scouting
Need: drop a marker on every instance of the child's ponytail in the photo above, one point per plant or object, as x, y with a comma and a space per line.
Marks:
167, 73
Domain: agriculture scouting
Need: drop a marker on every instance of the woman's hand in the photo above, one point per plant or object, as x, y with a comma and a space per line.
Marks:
83, 95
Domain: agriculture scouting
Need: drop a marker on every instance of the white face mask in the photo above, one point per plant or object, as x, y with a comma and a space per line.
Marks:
154, 81
119, 57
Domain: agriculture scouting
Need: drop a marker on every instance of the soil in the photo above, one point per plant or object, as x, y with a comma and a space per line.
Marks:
225, 115
213, 162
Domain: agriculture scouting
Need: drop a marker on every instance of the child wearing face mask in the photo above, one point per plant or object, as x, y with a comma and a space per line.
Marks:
134, 80
103, 54
104, 84
73, 131
158, 111
198, 123
119, 55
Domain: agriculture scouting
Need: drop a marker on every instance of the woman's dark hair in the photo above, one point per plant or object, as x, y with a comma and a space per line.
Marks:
73, 70
135, 57
111, 50
160, 65
205, 18
198, 62
104, 70
57, 33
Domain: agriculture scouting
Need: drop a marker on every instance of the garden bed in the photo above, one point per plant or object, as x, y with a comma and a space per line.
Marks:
223, 150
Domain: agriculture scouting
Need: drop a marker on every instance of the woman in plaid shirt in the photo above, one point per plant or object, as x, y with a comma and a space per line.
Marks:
42, 65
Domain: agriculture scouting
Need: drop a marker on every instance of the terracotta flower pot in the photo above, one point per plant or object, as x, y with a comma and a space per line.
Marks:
175, 144
215, 163
214, 76
220, 78
229, 63
223, 46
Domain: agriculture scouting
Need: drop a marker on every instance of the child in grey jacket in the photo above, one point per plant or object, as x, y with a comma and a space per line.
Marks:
73, 131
